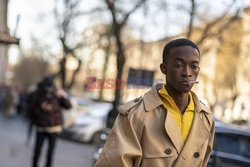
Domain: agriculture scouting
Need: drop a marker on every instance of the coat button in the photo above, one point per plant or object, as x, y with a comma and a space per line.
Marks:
136, 100
168, 151
196, 155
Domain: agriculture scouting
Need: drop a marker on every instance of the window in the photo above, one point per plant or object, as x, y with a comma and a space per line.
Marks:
140, 77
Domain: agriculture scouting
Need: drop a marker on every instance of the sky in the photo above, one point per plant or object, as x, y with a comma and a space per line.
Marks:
37, 21
29, 11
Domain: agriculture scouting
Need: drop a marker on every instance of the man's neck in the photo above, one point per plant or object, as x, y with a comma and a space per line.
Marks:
180, 99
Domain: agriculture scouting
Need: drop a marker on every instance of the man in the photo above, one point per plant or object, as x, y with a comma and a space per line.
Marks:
168, 126
45, 105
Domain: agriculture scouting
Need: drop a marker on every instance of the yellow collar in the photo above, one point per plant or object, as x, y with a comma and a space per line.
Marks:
163, 92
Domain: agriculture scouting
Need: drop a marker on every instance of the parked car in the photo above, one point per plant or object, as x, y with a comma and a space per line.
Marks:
231, 147
79, 105
88, 122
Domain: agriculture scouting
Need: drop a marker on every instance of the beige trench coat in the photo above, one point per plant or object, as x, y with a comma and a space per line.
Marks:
146, 135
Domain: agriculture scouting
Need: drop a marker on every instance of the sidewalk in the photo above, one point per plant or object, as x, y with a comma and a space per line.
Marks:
15, 153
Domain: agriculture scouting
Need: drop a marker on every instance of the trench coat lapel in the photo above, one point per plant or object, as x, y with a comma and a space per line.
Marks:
153, 101
198, 134
173, 132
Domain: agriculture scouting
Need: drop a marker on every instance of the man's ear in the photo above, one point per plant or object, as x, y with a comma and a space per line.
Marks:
163, 68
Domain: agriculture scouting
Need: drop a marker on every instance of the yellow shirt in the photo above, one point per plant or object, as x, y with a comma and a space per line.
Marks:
184, 121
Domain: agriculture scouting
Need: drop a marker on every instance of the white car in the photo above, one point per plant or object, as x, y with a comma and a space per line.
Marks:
79, 105
88, 123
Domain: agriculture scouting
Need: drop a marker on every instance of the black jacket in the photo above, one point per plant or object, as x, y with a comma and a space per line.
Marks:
43, 118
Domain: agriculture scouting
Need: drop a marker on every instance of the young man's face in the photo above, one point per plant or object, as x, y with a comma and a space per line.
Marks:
181, 68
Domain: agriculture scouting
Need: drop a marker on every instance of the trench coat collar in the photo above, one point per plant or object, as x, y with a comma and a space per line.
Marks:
152, 100
198, 132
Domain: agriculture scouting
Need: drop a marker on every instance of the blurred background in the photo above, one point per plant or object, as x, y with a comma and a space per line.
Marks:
91, 40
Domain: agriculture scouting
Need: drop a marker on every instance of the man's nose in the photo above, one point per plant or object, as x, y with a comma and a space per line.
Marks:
187, 72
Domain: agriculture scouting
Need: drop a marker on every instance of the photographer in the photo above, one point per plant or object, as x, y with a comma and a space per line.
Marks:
45, 105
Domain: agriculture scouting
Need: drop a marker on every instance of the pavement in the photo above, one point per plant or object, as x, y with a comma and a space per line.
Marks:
14, 152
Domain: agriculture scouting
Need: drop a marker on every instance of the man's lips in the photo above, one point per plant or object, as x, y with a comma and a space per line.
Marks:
185, 83
189, 82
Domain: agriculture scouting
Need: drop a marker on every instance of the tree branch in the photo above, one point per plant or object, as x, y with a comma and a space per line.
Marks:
125, 19
213, 23
112, 9
94, 10
222, 28
192, 14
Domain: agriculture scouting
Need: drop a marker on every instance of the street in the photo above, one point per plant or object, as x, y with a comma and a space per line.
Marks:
14, 152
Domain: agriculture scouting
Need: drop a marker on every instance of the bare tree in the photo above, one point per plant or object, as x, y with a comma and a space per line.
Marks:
119, 20
212, 28
64, 21
107, 52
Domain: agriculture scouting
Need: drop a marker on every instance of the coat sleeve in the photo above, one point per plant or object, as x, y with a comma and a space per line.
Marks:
65, 102
210, 146
123, 148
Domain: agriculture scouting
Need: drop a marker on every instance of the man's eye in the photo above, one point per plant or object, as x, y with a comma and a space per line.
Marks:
195, 67
179, 65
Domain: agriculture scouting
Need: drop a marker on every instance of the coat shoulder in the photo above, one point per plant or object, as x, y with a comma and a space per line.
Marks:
134, 112
125, 109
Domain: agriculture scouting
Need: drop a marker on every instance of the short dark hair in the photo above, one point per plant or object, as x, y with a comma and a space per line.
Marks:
176, 43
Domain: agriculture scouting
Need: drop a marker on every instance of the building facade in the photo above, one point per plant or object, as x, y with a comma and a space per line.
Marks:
5, 39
